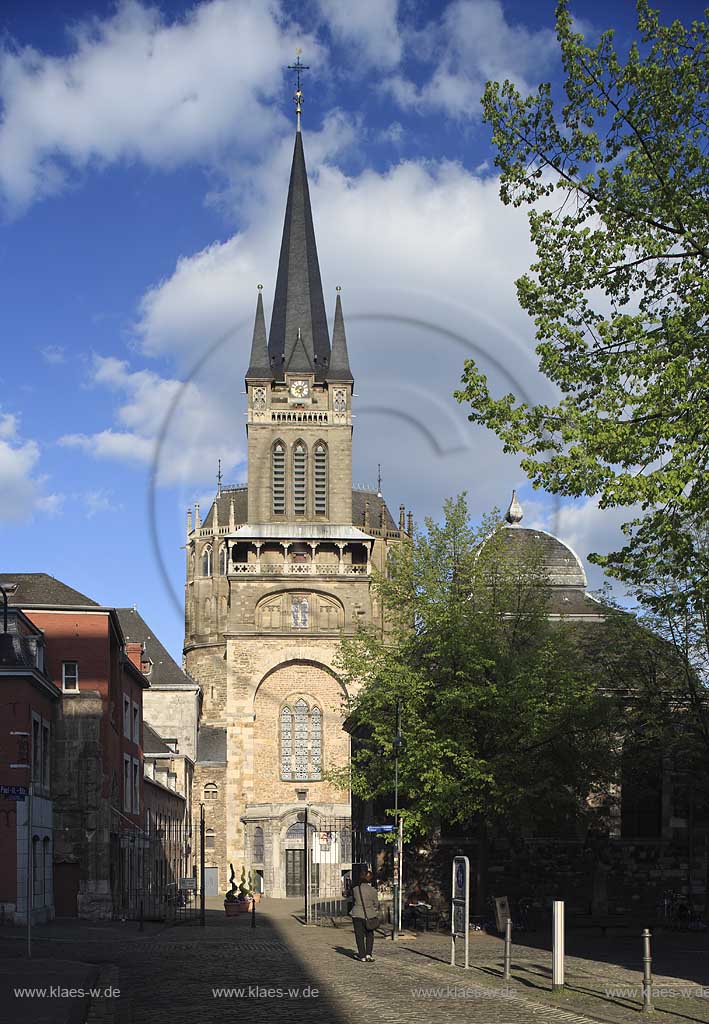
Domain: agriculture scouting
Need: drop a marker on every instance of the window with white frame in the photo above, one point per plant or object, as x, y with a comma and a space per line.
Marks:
136, 723
126, 717
70, 676
136, 786
127, 783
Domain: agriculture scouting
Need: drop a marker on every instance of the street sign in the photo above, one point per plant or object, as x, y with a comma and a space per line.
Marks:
189, 883
460, 905
14, 792
381, 828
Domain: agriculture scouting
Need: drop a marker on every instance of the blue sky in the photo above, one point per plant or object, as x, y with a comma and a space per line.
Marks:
144, 155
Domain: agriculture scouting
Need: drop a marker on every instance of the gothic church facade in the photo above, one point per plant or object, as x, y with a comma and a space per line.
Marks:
277, 572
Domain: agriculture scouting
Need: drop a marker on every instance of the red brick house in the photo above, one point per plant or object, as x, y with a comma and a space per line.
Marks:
28, 704
97, 759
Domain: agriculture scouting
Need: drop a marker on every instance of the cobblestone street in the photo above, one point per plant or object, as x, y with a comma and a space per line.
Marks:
283, 971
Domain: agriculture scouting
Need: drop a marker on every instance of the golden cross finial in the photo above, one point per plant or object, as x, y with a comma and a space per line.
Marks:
298, 94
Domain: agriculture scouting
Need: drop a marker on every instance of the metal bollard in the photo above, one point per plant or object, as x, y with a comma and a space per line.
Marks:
253, 913
508, 949
557, 964
647, 972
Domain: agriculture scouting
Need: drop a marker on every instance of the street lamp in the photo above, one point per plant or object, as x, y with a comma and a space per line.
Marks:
399, 828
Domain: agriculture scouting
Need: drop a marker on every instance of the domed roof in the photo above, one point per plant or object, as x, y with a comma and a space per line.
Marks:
563, 565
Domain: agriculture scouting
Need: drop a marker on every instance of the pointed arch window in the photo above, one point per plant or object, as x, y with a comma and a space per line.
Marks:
278, 478
223, 560
258, 844
300, 466
301, 742
320, 473
207, 560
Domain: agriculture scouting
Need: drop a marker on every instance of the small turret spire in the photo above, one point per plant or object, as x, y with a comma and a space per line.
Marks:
339, 359
514, 514
298, 94
379, 480
259, 363
219, 478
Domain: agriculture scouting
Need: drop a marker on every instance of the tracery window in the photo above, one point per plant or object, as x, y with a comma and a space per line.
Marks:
320, 460
301, 741
300, 612
278, 478
300, 459
207, 560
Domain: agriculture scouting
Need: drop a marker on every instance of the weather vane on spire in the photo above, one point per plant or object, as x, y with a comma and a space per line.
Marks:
298, 94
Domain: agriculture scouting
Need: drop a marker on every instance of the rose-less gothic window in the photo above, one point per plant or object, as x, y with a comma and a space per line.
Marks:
315, 743
300, 612
301, 740
340, 401
259, 399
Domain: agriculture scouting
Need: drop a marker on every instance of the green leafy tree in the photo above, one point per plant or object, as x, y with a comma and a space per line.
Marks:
617, 181
502, 720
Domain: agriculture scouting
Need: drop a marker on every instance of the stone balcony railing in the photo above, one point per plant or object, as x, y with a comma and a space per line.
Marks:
298, 569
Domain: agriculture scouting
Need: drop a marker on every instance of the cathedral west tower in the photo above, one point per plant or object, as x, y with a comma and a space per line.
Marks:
277, 573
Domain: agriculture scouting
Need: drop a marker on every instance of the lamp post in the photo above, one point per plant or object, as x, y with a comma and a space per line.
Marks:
398, 822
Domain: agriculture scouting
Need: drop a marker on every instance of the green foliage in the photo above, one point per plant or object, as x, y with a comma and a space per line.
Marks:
244, 886
617, 181
500, 715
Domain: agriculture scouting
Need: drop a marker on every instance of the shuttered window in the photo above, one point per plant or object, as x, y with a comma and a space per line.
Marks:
320, 480
299, 479
278, 471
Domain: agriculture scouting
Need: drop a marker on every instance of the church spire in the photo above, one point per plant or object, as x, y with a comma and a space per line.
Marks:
259, 364
298, 301
339, 359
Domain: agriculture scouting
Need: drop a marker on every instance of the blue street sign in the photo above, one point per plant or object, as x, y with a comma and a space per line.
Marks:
13, 791
381, 828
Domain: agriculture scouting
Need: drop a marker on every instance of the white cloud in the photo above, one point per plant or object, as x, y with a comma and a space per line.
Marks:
368, 27
471, 43
201, 425
136, 86
21, 488
53, 354
392, 134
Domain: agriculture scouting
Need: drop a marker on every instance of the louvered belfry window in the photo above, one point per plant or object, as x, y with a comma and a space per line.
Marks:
278, 471
320, 480
299, 479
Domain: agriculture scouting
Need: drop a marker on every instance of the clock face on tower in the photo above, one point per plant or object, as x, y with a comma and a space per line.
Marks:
299, 388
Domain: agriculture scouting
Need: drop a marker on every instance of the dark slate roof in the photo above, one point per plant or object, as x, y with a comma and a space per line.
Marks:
259, 364
223, 501
298, 301
165, 670
339, 358
239, 495
39, 588
211, 744
153, 743
359, 500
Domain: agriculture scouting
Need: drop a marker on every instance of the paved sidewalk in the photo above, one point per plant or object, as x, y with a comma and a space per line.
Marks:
283, 971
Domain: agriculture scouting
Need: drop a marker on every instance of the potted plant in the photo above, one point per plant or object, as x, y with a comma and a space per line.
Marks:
245, 895
231, 897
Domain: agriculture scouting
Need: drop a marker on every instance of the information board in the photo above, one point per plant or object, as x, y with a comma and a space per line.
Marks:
460, 905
